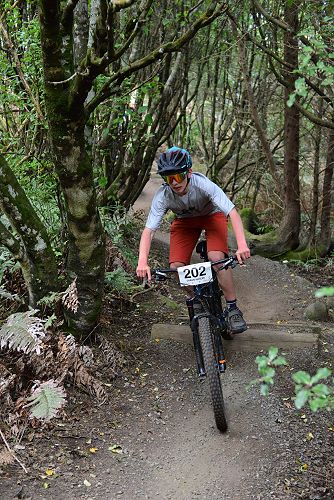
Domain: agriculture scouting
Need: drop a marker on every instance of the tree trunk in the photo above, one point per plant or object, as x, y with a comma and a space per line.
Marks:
315, 190
86, 242
288, 233
254, 108
325, 228
33, 248
80, 31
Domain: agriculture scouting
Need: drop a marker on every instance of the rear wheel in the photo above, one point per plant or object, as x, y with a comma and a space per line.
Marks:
212, 372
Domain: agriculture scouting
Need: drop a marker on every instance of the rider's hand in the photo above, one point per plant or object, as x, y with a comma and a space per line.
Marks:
242, 254
144, 271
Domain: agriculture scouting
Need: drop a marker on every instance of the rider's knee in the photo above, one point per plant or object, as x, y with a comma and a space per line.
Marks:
175, 265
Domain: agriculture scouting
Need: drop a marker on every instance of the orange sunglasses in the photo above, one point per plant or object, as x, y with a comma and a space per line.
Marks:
176, 177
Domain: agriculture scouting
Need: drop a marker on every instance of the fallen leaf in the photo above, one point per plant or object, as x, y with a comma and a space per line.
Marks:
304, 467
93, 450
309, 436
115, 448
87, 483
45, 486
49, 472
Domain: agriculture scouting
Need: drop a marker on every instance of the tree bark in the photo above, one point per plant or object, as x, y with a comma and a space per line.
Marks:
327, 192
315, 190
288, 233
86, 242
33, 248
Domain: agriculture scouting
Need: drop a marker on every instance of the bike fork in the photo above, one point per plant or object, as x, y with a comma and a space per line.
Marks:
220, 352
197, 345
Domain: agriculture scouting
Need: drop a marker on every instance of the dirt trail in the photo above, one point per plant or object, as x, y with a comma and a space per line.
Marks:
160, 416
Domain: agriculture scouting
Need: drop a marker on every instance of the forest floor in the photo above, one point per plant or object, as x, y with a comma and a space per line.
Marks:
156, 438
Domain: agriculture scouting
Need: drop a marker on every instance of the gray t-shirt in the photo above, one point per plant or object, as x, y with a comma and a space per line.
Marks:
203, 197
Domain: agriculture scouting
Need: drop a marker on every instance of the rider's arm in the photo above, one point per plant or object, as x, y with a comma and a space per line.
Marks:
143, 268
243, 251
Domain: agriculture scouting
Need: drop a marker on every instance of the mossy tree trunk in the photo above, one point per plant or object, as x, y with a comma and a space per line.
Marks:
67, 85
66, 119
30, 243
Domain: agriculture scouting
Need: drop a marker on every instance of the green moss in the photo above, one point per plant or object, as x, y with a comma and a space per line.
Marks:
166, 301
303, 255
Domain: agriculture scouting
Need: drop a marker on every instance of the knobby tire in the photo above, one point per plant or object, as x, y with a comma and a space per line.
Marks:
212, 372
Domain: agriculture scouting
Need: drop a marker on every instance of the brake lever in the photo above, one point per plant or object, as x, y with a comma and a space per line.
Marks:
160, 276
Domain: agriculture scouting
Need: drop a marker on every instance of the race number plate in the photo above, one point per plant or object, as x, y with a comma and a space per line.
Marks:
195, 274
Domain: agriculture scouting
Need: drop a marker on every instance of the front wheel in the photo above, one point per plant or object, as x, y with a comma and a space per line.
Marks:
212, 371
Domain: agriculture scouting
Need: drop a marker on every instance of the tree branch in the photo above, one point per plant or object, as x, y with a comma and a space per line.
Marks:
270, 18
273, 55
308, 114
122, 4
210, 15
21, 214
67, 15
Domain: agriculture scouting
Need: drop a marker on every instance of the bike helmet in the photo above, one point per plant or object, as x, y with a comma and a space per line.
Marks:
174, 161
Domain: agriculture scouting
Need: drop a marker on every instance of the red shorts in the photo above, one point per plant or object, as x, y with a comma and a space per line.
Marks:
185, 232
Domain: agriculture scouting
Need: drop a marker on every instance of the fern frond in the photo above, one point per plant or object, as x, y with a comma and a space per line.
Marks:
70, 297
46, 400
10, 296
23, 332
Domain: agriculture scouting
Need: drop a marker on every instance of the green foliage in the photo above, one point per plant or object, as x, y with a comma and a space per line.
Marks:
39, 183
120, 227
253, 223
23, 332
325, 292
117, 223
6, 262
266, 368
46, 400
15, 101
120, 280
308, 390
316, 55
50, 300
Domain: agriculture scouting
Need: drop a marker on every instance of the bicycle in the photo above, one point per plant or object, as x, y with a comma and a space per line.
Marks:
208, 322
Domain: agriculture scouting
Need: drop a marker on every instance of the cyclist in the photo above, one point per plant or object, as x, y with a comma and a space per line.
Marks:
198, 204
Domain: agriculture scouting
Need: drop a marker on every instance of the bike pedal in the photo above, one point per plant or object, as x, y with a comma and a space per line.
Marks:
222, 366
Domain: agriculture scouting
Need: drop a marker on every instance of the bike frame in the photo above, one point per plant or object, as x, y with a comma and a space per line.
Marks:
207, 302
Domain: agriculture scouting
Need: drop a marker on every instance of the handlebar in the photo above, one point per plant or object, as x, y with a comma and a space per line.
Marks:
162, 274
